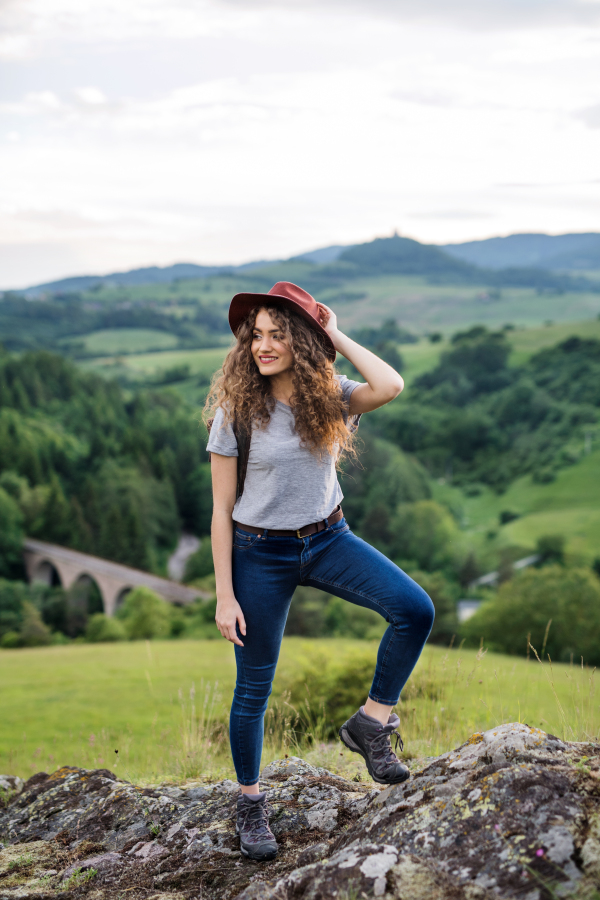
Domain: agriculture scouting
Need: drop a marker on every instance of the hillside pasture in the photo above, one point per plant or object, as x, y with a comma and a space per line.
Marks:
569, 505
147, 366
127, 340
78, 704
418, 304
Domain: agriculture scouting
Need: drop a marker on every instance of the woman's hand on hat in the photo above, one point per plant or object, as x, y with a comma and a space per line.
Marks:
329, 322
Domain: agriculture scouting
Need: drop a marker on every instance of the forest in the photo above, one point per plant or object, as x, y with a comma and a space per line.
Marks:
119, 473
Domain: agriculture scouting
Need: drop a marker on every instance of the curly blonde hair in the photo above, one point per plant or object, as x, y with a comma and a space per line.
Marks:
245, 395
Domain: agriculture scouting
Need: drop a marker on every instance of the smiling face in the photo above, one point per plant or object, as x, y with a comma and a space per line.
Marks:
270, 349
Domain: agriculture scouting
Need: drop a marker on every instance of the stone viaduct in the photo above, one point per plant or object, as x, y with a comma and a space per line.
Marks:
42, 560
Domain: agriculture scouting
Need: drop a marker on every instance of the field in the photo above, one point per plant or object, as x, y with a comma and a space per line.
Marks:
128, 340
143, 367
418, 358
569, 505
79, 704
419, 305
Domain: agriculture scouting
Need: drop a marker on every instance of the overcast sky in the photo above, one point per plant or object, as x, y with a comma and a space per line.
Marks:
140, 132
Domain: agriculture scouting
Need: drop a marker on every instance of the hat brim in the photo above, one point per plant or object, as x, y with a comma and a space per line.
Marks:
242, 304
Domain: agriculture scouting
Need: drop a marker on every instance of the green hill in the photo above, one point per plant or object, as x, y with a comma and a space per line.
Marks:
570, 506
543, 251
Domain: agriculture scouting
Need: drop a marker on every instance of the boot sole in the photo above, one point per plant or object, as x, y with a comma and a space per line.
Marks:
346, 739
265, 856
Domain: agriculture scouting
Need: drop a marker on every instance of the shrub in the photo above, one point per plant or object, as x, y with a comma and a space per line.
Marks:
314, 613
525, 604
145, 615
102, 629
10, 640
200, 564
424, 532
551, 547
326, 689
33, 633
199, 620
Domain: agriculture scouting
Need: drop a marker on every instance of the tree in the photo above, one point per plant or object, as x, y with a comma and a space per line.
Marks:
11, 536
145, 615
33, 632
200, 564
424, 532
102, 629
569, 598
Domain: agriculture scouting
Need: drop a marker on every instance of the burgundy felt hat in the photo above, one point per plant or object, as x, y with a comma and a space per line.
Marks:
284, 293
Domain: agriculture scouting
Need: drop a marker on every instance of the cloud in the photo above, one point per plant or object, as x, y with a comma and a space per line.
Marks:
90, 96
467, 14
26, 26
590, 115
451, 214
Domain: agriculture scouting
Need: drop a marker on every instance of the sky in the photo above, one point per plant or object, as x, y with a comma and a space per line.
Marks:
148, 132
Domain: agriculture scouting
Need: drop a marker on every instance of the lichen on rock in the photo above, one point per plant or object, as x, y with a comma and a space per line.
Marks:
513, 812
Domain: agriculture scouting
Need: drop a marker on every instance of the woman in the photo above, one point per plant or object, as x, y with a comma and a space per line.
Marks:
286, 526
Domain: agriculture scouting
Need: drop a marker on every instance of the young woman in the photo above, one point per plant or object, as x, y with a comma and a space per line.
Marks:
287, 528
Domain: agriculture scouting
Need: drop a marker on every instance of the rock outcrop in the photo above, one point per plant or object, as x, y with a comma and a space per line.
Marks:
513, 812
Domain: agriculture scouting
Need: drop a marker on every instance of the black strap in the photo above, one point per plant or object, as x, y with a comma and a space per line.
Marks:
242, 437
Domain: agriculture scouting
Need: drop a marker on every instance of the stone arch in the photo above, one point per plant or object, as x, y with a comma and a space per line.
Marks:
45, 572
91, 592
120, 598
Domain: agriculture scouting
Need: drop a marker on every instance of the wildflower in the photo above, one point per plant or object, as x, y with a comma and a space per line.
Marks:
539, 852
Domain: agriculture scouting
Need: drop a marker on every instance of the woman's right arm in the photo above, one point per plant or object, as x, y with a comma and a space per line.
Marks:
224, 481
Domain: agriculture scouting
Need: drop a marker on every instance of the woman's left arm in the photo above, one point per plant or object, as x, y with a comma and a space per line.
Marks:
382, 382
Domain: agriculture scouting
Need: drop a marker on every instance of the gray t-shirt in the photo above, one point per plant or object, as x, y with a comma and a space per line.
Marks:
287, 486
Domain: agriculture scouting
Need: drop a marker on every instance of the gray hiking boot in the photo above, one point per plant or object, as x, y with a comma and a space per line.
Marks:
257, 841
365, 735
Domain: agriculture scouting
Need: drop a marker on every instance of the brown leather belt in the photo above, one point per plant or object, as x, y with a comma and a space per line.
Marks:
303, 532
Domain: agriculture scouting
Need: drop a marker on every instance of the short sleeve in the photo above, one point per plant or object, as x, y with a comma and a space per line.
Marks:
347, 386
222, 439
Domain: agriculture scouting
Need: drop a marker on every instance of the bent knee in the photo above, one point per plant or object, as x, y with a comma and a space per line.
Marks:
424, 610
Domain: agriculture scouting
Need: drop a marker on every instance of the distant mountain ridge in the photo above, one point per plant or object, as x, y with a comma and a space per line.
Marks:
519, 259
559, 252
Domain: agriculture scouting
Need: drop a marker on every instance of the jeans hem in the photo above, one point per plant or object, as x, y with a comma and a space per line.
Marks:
384, 702
248, 783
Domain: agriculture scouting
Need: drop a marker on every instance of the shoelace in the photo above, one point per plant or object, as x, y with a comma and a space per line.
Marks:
255, 820
382, 746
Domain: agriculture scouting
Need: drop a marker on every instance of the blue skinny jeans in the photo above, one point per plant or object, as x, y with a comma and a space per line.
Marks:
266, 571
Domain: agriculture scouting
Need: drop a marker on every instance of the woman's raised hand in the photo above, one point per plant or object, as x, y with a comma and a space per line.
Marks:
229, 614
329, 322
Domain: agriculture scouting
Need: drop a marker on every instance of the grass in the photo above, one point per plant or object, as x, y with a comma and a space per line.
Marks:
127, 340
420, 306
569, 505
137, 364
143, 366
77, 705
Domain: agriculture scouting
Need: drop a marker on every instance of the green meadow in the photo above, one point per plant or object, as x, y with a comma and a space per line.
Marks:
128, 340
417, 303
124, 351
144, 366
163, 705
569, 505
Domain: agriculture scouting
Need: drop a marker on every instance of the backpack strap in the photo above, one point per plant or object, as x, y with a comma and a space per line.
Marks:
242, 436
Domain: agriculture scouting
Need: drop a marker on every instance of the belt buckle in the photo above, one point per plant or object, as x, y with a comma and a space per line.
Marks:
298, 535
